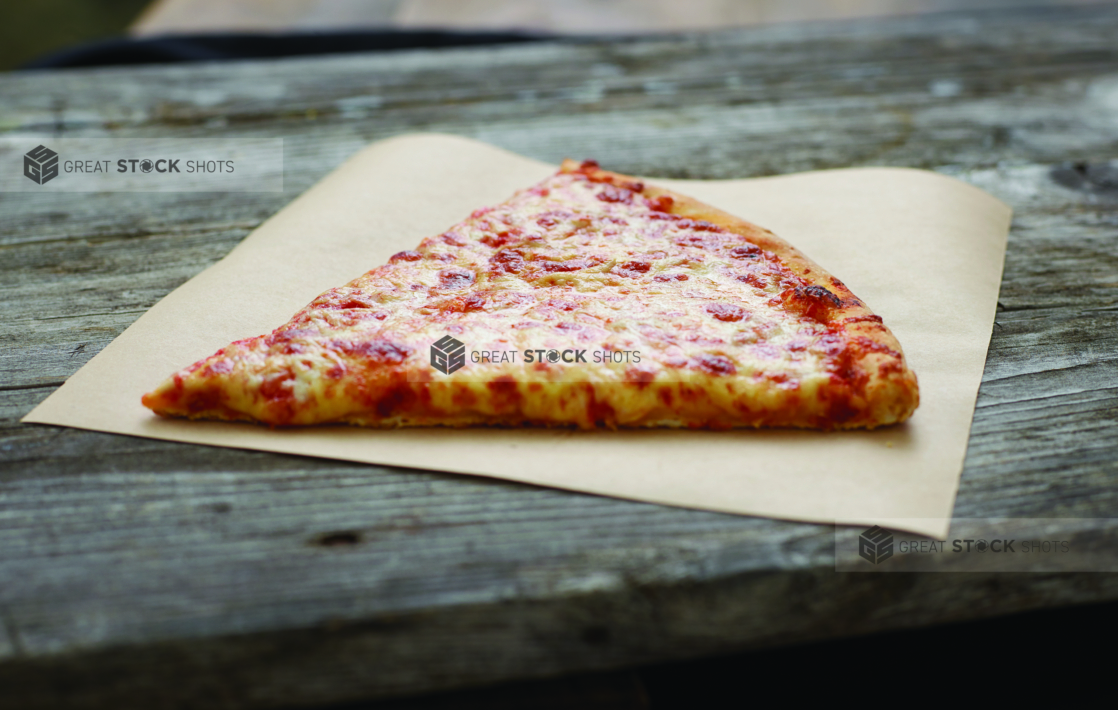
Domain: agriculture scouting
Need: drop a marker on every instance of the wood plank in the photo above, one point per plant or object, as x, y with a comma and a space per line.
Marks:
139, 573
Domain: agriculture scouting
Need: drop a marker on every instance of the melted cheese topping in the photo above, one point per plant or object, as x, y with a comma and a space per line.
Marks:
681, 323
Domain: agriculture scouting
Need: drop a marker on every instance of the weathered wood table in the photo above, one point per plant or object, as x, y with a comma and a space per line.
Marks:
149, 574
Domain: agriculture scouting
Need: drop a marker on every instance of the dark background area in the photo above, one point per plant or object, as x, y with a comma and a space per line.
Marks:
32, 28
1040, 648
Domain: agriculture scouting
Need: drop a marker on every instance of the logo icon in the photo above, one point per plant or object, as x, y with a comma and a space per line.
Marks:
41, 165
448, 355
875, 545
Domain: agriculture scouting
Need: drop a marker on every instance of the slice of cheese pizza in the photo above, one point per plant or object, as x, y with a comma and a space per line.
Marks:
590, 300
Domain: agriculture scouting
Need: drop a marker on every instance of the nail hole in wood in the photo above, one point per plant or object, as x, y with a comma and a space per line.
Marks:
338, 539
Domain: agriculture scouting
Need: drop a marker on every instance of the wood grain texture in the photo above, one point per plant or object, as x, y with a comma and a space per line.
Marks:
140, 573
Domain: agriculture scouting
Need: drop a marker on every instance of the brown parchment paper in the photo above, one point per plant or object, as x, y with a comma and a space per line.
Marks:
923, 250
